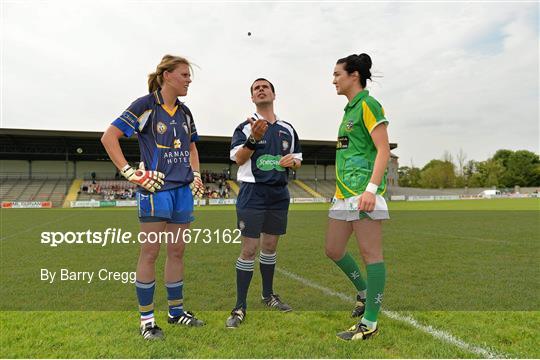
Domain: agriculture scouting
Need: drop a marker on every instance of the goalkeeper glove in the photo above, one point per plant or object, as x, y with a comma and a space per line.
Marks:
150, 180
197, 186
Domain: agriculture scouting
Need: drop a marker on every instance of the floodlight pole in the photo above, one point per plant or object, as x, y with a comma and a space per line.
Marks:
67, 161
316, 178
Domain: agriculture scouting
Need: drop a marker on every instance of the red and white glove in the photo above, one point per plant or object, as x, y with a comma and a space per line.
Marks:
150, 180
197, 186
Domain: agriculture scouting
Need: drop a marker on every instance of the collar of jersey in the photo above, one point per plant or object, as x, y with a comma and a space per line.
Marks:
259, 116
362, 94
159, 99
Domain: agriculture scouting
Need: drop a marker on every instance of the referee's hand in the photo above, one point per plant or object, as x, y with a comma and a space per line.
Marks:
287, 161
258, 128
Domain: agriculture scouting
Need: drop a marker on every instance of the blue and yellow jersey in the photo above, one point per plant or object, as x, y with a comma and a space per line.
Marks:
164, 136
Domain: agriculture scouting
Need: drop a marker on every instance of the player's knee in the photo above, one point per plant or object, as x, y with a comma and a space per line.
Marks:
149, 257
372, 257
333, 254
249, 253
268, 248
176, 254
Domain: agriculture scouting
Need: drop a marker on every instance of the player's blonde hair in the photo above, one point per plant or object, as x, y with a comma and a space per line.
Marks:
168, 63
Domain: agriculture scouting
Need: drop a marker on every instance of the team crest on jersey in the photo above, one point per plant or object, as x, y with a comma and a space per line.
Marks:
184, 125
349, 125
285, 145
177, 143
161, 128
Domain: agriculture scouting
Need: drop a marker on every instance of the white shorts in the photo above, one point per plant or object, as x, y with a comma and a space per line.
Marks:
347, 209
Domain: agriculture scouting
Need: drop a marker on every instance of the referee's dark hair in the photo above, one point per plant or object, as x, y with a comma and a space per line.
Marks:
361, 63
262, 79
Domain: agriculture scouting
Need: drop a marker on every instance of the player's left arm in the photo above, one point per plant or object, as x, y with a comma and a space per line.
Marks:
376, 123
379, 135
194, 157
380, 138
294, 159
197, 186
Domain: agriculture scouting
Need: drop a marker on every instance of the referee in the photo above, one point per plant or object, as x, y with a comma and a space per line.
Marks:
265, 148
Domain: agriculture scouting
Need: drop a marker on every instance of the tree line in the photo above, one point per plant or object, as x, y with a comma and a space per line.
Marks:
505, 169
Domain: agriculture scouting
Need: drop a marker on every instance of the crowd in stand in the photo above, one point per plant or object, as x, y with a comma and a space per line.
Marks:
223, 189
110, 191
216, 187
213, 177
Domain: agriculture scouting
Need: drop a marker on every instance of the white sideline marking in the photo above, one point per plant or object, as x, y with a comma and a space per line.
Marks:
36, 226
436, 333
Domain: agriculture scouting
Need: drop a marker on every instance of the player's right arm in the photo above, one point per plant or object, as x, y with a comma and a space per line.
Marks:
244, 146
111, 143
127, 124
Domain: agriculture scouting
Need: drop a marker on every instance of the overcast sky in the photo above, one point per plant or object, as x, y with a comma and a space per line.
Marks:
451, 75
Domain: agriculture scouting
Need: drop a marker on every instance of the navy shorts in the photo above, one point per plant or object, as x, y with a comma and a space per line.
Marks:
173, 206
262, 208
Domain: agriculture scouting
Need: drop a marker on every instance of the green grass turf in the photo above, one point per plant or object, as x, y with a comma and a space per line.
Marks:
465, 269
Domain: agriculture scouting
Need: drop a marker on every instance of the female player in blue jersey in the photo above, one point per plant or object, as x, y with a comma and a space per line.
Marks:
167, 175
362, 154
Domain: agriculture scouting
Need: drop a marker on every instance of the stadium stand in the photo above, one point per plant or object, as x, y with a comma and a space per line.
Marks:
41, 165
124, 190
297, 192
33, 190
234, 188
107, 190
306, 187
326, 188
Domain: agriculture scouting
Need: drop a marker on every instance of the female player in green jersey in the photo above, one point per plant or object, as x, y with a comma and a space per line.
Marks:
362, 154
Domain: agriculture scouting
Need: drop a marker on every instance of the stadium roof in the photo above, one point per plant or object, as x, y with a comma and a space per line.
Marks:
24, 144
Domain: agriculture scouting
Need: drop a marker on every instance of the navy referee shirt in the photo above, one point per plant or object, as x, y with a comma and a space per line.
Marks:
279, 140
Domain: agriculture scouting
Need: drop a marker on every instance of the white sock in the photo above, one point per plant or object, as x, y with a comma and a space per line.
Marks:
147, 319
369, 324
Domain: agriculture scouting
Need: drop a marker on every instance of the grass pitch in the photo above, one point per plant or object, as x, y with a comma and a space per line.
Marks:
462, 280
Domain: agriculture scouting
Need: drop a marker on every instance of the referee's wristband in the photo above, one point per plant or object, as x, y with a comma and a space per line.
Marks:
372, 188
251, 143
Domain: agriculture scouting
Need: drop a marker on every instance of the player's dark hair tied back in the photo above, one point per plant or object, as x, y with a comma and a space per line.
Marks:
361, 63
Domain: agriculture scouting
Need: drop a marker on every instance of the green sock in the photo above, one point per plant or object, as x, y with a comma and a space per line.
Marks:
350, 268
376, 277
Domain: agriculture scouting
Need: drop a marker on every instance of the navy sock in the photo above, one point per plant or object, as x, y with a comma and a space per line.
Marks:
244, 273
267, 263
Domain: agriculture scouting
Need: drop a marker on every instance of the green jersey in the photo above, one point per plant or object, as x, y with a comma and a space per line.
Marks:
355, 150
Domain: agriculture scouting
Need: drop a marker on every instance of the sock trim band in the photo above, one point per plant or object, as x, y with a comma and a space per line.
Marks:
142, 285
174, 284
245, 265
268, 259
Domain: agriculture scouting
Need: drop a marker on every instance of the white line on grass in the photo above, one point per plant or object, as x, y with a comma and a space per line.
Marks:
436, 333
